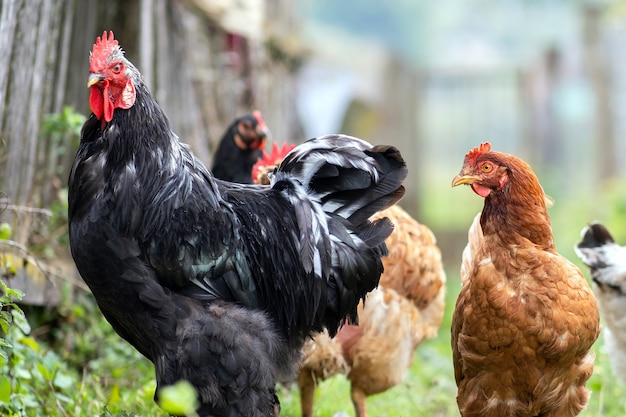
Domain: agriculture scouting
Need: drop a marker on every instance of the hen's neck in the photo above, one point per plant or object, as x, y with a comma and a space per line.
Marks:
517, 213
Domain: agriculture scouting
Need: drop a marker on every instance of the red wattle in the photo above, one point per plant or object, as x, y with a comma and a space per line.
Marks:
96, 101
108, 104
481, 191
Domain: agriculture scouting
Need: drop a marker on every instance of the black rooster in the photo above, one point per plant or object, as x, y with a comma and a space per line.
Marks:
219, 283
239, 148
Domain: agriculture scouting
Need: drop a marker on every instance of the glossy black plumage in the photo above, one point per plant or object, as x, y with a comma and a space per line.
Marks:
219, 283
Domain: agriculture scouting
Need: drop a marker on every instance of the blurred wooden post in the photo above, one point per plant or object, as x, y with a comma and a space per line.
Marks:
597, 67
400, 127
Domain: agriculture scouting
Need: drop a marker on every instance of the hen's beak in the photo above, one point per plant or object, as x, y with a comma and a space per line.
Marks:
464, 179
263, 132
94, 79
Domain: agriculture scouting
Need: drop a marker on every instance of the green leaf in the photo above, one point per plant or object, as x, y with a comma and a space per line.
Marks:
30, 342
20, 321
14, 293
63, 398
45, 373
4, 323
6, 316
22, 373
106, 413
114, 398
5, 231
63, 381
179, 399
51, 362
5, 389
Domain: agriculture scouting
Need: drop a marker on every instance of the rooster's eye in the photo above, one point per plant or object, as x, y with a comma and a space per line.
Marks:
117, 68
487, 168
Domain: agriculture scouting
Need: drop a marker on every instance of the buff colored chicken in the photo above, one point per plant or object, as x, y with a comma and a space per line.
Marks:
405, 309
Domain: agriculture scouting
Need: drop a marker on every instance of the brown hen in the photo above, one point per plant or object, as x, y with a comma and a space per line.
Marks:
525, 318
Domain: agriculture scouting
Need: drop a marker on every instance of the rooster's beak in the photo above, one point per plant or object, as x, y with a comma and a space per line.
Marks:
464, 179
94, 79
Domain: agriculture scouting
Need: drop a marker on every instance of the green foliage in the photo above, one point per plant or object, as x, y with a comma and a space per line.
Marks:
10, 314
107, 413
83, 368
63, 125
32, 378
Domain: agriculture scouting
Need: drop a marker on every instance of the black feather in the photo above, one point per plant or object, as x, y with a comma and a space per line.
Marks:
595, 235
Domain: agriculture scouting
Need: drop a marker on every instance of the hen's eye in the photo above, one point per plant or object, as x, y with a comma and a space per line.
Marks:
487, 168
117, 68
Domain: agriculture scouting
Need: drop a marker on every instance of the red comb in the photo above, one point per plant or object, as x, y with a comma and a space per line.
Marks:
274, 158
479, 150
259, 119
101, 51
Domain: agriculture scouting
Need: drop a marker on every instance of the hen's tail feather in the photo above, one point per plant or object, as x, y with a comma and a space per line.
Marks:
336, 183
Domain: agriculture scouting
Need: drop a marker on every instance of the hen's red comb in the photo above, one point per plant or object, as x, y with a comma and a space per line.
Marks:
273, 158
101, 50
259, 119
479, 150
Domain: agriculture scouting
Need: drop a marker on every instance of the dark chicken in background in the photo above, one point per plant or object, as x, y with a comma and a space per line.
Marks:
239, 148
525, 319
220, 283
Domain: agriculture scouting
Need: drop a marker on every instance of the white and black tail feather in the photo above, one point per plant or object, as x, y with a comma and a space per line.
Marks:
336, 183
605, 258
350, 179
